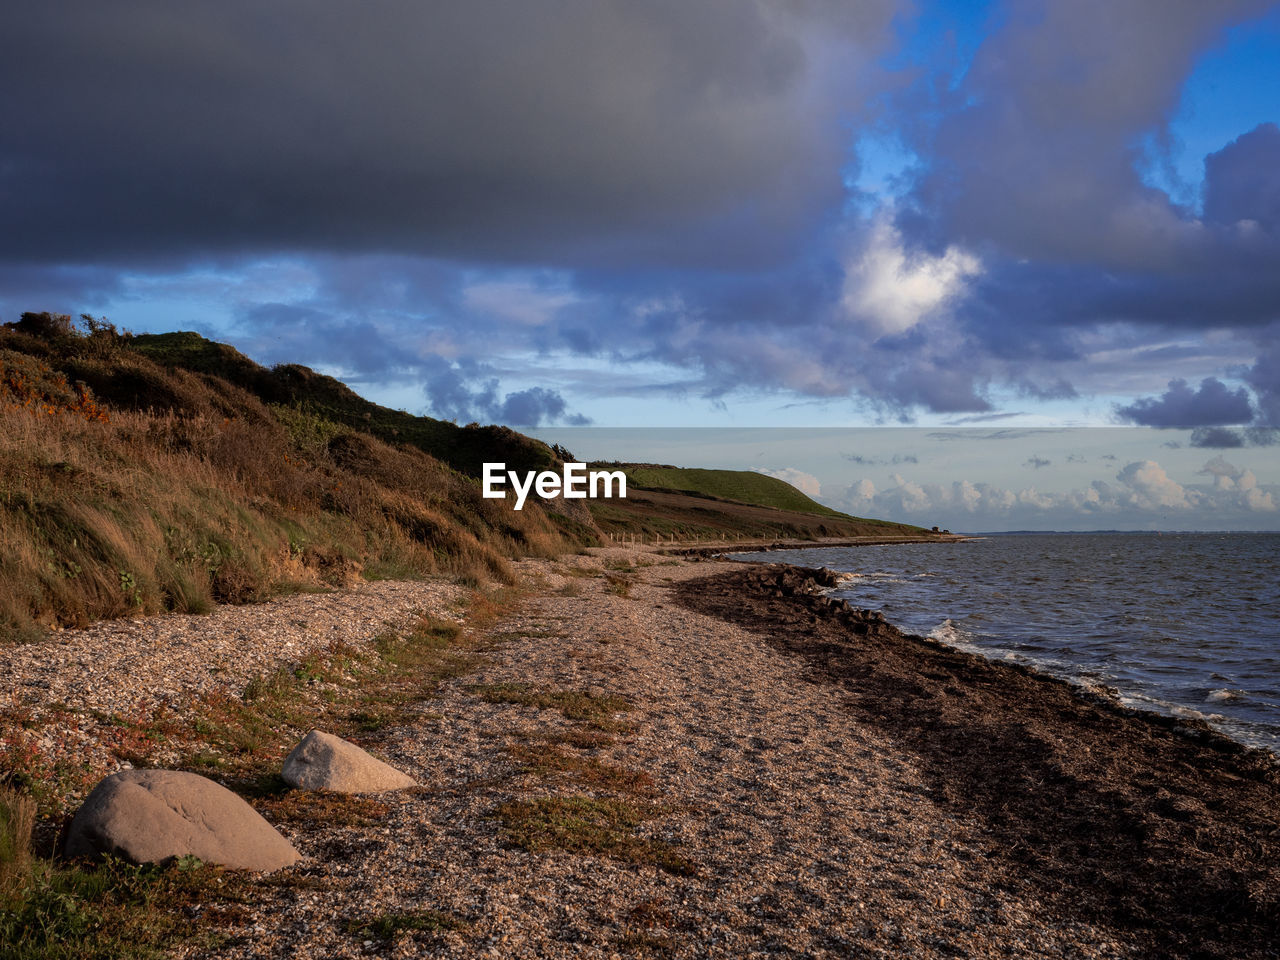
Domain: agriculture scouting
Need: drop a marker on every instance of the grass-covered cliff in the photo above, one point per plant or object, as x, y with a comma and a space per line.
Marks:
137, 477
169, 472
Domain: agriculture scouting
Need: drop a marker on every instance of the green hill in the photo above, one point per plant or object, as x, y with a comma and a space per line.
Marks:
701, 504
742, 486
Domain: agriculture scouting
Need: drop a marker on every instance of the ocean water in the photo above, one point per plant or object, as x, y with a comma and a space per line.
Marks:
1180, 623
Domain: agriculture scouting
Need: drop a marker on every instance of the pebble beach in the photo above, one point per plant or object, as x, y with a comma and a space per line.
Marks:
803, 781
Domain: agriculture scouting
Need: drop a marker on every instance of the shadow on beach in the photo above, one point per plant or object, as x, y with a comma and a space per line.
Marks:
1156, 827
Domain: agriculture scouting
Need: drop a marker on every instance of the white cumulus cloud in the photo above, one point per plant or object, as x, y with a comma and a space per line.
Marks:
804, 482
891, 292
1152, 486
1142, 495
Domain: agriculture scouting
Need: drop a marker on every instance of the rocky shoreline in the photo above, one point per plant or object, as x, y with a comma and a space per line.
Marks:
1132, 819
675, 757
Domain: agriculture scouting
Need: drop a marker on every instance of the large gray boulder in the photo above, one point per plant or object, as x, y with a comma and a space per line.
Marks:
148, 816
325, 762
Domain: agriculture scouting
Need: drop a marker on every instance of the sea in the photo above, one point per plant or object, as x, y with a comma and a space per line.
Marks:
1180, 623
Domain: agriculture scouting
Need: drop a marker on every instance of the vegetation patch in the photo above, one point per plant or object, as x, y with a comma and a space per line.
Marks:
580, 738
591, 826
597, 711
54, 911
153, 473
548, 760
618, 584
569, 570
387, 926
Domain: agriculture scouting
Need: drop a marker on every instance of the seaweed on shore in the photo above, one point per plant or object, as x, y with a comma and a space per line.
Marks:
1154, 826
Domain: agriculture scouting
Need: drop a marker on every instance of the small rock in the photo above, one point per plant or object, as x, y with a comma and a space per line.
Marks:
149, 816
325, 762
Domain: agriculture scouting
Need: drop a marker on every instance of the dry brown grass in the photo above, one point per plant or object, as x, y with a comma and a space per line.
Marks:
17, 820
549, 761
598, 711
593, 826
209, 495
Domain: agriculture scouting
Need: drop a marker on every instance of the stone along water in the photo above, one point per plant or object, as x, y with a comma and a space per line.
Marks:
1182, 623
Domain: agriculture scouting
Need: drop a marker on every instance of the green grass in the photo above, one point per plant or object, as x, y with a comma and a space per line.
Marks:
596, 711
59, 911
744, 486
386, 926
548, 760
114, 910
589, 825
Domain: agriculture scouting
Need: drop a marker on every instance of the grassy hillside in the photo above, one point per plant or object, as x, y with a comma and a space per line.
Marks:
128, 485
700, 504
662, 513
169, 472
743, 486
463, 448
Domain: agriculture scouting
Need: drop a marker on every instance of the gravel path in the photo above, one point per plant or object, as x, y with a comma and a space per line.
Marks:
804, 834
72, 695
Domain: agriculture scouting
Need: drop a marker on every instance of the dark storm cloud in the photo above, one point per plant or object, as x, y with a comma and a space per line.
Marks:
1041, 131
289, 333
465, 392
1264, 378
579, 130
1033, 167
1222, 438
1216, 438
411, 156
537, 405
1242, 180
1213, 404
1262, 436
55, 288
324, 335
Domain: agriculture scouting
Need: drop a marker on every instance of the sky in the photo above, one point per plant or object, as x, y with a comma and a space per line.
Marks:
843, 214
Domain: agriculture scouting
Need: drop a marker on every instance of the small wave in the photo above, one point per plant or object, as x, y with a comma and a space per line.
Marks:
1143, 702
1225, 696
947, 632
